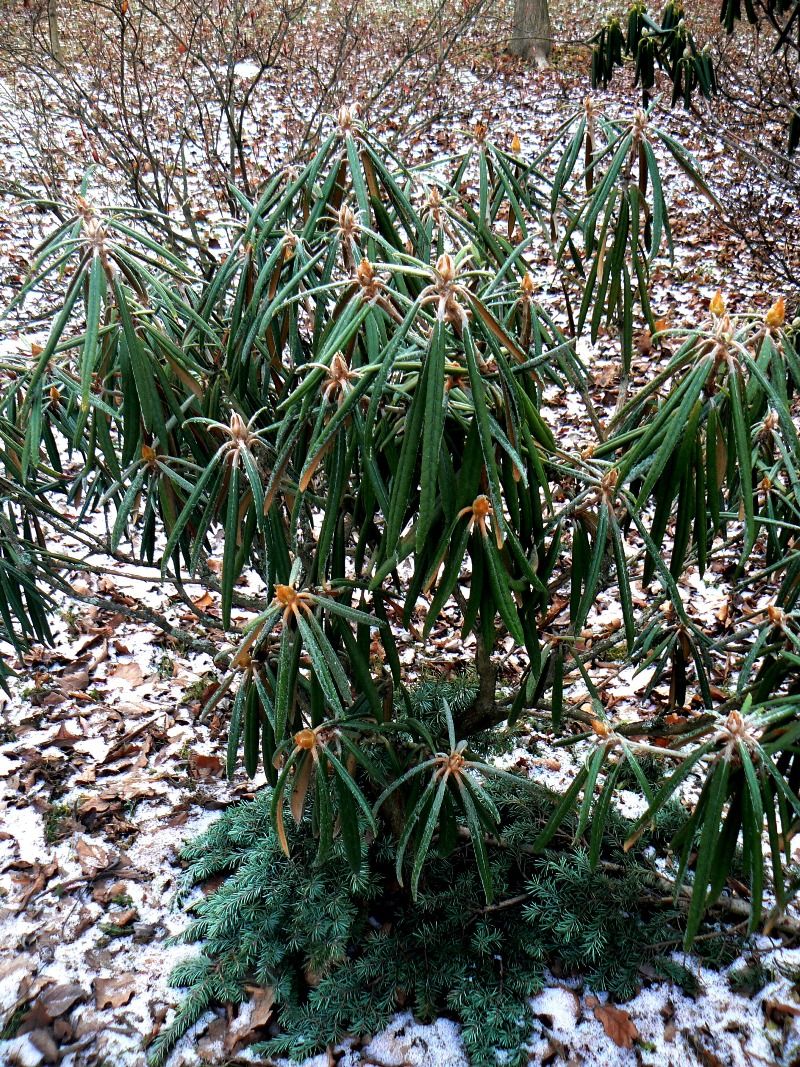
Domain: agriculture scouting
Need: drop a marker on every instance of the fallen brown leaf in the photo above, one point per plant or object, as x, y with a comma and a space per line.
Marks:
42, 1041
201, 766
104, 893
12, 975
251, 1017
706, 1056
62, 1031
121, 791
63, 738
126, 674
780, 1013
617, 1023
93, 858
75, 682
52, 1002
124, 918
113, 992
36, 883
263, 1001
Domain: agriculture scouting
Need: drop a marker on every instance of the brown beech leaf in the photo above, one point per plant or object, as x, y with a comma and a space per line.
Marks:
34, 883
617, 1023
779, 1013
251, 1018
113, 992
64, 738
201, 766
93, 858
126, 674
52, 1002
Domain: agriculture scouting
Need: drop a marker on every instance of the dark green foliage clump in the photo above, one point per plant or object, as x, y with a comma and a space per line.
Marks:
353, 400
677, 973
592, 921
751, 978
434, 692
344, 952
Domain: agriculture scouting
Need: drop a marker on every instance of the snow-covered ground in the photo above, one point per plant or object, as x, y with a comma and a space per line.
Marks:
105, 768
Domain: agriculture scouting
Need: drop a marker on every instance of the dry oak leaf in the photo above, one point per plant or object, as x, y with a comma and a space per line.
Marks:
617, 1023
113, 992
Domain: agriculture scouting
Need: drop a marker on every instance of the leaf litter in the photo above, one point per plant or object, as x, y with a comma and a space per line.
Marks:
106, 767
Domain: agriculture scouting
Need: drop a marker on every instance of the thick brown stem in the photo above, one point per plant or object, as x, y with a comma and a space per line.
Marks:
484, 710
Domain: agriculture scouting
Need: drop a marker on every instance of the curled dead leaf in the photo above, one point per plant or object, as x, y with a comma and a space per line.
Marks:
617, 1023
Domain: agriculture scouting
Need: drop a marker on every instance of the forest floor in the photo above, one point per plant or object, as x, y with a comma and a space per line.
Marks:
106, 767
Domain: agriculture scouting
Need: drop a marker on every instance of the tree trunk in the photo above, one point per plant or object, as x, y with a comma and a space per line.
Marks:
531, 36
53, 31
